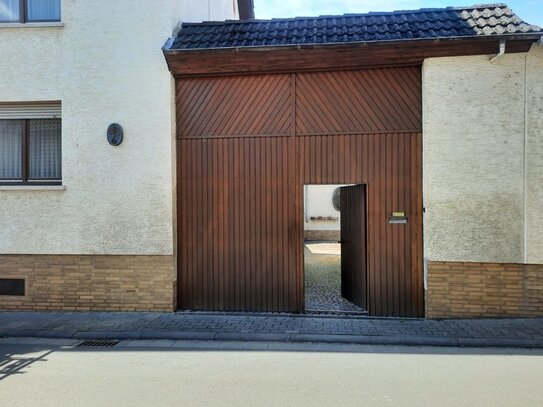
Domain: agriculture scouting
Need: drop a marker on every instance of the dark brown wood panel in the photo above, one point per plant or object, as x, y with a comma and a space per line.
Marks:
335, 57
353, 244
371, 100
234, 106
240, 231
390, 166
235, 208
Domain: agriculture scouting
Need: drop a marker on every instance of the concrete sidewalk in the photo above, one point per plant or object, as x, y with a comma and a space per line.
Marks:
522, 333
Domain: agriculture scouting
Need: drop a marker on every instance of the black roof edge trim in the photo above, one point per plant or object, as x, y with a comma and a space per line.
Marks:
516, 36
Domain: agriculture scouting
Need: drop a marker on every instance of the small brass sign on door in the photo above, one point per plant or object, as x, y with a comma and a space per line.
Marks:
398, 217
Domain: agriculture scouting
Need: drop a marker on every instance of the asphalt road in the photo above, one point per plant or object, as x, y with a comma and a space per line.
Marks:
168, 373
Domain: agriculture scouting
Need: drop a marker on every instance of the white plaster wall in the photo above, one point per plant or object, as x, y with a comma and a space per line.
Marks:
105, 65
318, 202
209, 10
474, 166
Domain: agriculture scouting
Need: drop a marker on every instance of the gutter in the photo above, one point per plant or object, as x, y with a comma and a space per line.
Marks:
168, 44
362, 44
525, 168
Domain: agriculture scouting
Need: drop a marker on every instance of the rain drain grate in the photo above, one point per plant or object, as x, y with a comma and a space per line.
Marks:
107, 343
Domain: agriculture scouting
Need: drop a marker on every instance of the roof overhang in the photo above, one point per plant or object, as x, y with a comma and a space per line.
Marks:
318, 57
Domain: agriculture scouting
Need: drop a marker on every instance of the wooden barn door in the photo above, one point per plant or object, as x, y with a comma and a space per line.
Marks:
247, 144
353, 244
364, 127
237, 195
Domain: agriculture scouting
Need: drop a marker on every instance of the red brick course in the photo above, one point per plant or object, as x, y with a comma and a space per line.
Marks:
90, 283
457, 289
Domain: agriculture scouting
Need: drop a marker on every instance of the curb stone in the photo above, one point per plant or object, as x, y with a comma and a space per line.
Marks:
400, 340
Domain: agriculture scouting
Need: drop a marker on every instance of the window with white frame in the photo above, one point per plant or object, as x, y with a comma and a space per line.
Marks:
29, 11
30, 144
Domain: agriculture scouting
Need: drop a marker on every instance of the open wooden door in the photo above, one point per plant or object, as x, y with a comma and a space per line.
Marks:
353, 244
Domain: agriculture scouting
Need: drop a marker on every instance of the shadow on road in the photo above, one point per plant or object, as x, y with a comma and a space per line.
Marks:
15, 359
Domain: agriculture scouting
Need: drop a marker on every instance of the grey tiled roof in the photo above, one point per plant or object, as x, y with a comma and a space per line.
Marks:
474, 21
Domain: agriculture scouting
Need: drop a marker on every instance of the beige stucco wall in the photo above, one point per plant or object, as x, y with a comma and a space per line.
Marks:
534, 154
480, 206
105, 65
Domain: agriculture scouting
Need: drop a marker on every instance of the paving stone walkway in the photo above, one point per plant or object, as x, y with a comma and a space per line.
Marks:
274, 327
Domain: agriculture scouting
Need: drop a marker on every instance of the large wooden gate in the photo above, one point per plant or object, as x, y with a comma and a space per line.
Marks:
246, 145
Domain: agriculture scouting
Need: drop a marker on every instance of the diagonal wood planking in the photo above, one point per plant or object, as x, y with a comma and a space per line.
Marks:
249, 105
372, 100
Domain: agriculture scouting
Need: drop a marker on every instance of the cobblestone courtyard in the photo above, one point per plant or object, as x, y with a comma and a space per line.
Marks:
322, 279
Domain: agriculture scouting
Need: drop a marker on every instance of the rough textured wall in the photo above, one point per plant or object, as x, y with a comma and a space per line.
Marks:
534, 197
105, 65
474, 118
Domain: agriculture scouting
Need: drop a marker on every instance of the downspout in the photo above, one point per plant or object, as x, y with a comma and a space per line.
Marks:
525, 180
500, 53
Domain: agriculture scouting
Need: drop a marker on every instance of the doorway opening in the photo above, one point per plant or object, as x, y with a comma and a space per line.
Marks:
335, 249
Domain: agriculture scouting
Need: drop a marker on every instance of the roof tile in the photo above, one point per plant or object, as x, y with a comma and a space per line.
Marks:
480, 20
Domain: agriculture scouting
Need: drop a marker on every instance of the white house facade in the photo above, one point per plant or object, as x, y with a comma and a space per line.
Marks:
201, 206
483, 190
100, 62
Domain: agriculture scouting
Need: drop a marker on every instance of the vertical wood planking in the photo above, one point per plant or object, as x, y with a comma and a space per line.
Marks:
353, 244
236, 252
394, 250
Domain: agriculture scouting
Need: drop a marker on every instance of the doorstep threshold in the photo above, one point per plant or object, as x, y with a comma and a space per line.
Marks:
306, 314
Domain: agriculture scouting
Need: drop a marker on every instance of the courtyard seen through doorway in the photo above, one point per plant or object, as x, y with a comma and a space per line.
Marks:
322, 252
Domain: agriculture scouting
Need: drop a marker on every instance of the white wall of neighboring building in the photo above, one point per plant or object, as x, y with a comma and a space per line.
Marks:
483, 166
105, 65
196, 11
318, 203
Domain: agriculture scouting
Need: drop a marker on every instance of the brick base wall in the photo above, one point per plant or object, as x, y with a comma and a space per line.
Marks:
484, 290
90, 283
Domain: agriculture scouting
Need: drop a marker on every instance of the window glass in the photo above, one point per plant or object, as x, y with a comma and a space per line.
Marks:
43, 10
9, 10
44, 159
10, 149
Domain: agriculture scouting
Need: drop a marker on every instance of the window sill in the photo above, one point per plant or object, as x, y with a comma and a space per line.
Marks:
52, 24
32, 187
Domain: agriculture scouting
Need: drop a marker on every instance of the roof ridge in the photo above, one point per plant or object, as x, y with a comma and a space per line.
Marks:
369, 13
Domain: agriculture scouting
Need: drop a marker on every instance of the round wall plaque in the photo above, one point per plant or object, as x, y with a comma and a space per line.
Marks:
115, 134
336, 201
